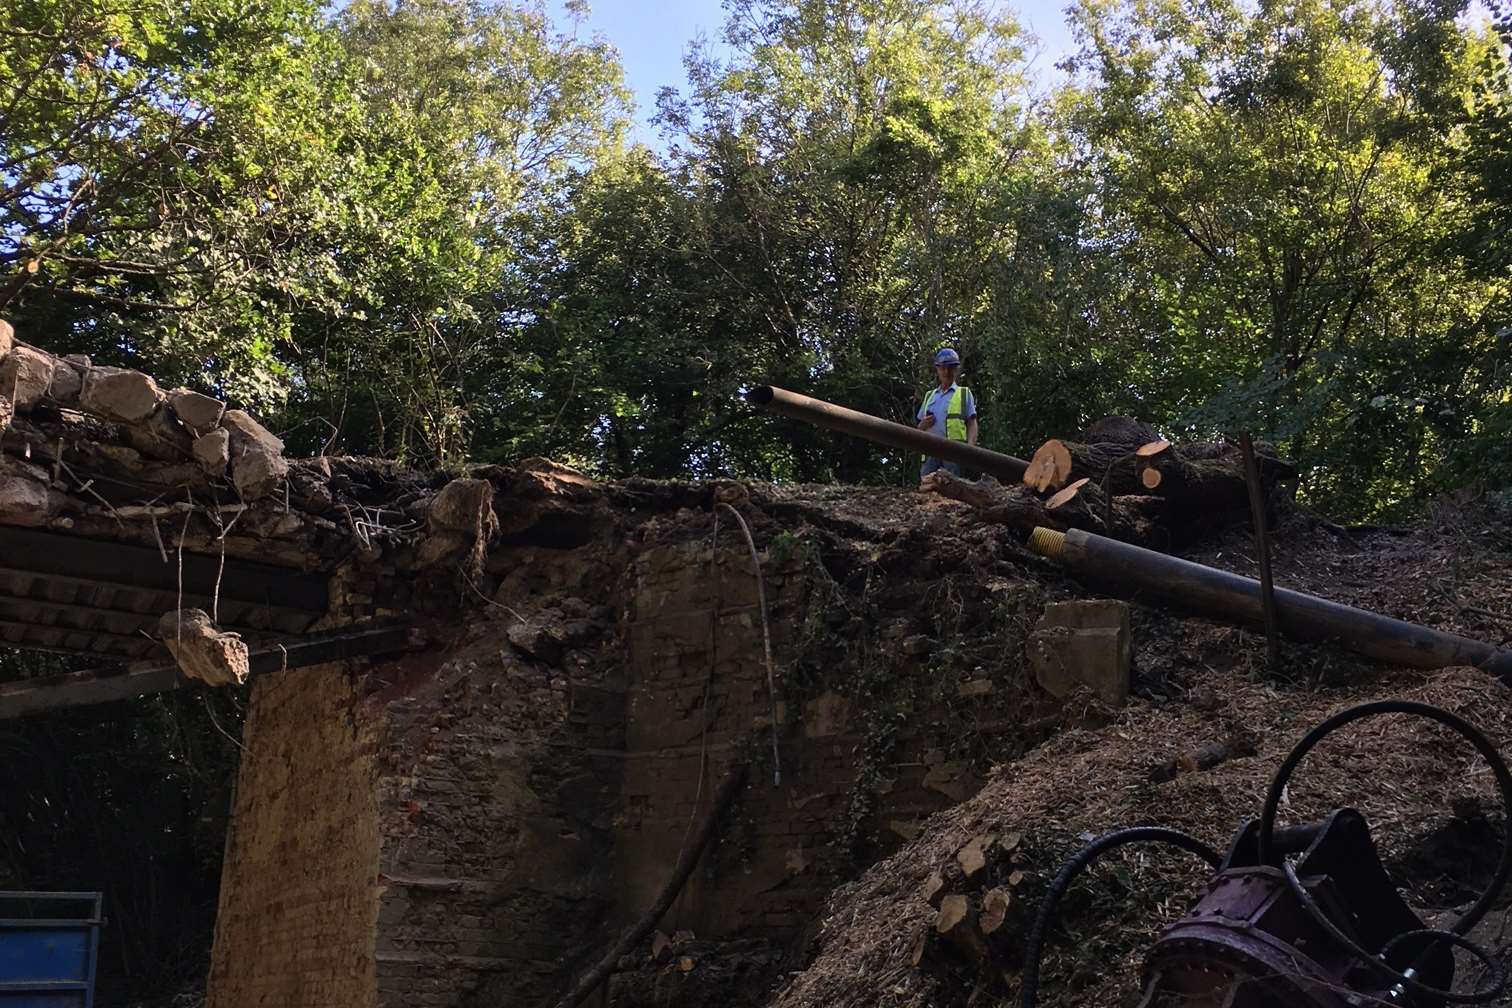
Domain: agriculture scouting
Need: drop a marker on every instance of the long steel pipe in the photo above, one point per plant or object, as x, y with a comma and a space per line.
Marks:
1305, 617
884, 432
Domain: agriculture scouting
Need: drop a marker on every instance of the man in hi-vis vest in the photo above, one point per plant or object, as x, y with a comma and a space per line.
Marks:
949, 411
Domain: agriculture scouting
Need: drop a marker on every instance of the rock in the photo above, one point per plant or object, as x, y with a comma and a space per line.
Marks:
463, 505
161, 437
953, 780
213, 451
1083, 643
25, 375
537, 642
67, 382
257, 462
825, 715
120, 394
200, 413
203, 652
7, 337
26, 501
7, 412
976, 687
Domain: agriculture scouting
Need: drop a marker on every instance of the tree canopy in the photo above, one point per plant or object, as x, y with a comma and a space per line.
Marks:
417, 228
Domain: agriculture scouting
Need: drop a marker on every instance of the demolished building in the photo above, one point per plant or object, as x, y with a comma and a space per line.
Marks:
491, 707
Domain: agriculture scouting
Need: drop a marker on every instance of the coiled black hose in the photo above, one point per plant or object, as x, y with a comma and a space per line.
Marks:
1034, 945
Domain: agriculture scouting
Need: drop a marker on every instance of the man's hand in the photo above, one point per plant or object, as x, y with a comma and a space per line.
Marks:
927, 422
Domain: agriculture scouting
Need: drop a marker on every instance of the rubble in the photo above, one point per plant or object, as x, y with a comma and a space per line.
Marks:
119, 394
257, 462
25, 375
202, 651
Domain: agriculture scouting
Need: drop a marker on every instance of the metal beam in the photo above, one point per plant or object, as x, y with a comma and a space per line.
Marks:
76, 689
94, 561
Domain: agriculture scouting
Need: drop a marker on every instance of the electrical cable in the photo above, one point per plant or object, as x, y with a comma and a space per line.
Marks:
1034, 945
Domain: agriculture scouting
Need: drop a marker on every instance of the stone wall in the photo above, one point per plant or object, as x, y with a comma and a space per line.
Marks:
480, 823
299, 889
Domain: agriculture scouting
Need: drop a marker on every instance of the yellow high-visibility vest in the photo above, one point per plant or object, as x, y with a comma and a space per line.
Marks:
955, 417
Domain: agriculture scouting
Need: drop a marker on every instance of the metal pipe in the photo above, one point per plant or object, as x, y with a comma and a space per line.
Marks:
884, 432
1303, 617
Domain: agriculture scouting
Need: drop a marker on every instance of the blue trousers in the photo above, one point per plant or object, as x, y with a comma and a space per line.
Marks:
931, 464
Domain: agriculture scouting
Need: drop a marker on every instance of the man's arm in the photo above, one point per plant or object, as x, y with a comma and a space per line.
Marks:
971, 431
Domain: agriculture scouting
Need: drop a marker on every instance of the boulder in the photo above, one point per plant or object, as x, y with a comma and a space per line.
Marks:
25, 501
67, 382
257, 462
25, 375
213, 451
160, 437
119, 394
202, 652
7, 337
200, 413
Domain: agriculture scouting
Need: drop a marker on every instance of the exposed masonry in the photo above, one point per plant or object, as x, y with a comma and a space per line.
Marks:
472, 822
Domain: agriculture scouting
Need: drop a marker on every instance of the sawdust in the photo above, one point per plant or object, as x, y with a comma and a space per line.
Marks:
1408, 777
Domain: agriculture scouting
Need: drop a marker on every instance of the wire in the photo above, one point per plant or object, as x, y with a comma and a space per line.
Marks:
1034, 946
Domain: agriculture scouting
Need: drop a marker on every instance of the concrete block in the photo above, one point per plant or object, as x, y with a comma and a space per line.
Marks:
1083, 644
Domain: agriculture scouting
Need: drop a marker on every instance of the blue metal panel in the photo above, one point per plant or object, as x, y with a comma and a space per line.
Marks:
48, 946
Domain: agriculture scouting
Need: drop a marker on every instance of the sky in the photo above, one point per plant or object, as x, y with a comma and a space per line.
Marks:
651, 36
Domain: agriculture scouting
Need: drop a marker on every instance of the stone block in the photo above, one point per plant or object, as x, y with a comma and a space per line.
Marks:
25, 501
25, 375
67, 382
257, 462
1083, 644
119, 394
213, 452
200, 413
1086, 614
7, 337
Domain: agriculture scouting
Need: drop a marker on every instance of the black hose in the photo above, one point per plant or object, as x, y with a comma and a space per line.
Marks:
1265, 843
1033, 946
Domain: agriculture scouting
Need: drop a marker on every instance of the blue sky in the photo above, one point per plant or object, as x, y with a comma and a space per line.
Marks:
652, 36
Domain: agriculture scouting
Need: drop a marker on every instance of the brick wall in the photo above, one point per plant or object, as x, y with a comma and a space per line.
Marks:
499, 780
299, 894
475, 827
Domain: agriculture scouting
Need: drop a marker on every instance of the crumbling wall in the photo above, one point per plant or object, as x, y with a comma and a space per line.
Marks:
299, 890
532, 778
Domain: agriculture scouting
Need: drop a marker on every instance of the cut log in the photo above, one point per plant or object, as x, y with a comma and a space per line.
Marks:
973, 857
1152, 449
1150, 478
934, 889
1120, 430
1137, 518
1066, 495
995, 904
1050, 467
1236, 745
957, 923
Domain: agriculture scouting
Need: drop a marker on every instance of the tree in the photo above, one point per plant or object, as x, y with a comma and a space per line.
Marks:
1274, 191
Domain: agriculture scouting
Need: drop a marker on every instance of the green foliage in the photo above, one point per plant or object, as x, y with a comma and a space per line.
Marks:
412, 227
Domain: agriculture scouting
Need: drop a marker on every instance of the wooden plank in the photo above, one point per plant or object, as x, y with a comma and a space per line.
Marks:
75, 689
56, 556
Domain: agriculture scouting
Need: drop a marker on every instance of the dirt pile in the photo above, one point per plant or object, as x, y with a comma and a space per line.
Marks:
1430, 800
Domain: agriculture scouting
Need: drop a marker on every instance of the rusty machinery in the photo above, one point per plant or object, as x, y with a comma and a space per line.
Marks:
1302, 916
